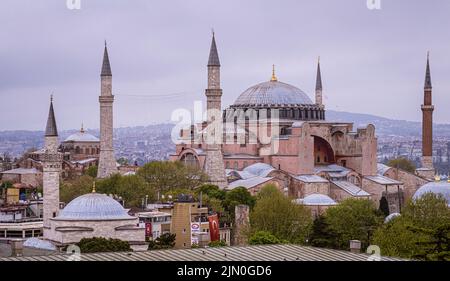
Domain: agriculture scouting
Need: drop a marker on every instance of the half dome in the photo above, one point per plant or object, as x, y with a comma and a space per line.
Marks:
93, 206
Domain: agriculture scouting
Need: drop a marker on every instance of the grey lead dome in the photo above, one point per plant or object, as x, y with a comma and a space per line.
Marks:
93, 206
272, 93
82, 137
441, 187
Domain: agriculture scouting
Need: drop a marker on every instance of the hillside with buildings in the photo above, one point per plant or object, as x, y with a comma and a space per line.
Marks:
143, 144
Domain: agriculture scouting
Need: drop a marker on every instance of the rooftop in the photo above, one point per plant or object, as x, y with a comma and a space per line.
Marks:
21, 171
281, 252
383, 180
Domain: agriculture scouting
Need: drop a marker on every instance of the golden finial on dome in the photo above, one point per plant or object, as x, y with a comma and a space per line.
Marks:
274, 78
93, 187
82, 128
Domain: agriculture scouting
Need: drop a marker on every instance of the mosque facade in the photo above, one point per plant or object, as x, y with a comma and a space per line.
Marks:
274, 133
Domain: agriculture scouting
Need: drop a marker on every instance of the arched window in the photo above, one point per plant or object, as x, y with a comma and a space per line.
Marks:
189, 159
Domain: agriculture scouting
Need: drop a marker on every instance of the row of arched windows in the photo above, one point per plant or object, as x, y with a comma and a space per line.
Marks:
286, 113
235, 165
87, 150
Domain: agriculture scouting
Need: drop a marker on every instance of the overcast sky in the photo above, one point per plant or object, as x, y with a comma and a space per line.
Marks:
373, 61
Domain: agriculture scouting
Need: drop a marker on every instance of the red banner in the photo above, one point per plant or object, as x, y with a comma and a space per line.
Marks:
148, 229
214, 227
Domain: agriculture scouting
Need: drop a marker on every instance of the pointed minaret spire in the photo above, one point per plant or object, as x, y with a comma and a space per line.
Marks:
319, 76
51, 130
213, 55
106, 67
319, 85
427, 73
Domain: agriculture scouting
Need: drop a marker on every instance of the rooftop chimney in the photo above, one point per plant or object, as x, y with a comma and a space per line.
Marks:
355, 246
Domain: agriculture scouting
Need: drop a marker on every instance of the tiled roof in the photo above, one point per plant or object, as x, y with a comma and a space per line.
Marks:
310, 178
351, 188
383, 180
248, 183
382, 168
21, 171
282, 252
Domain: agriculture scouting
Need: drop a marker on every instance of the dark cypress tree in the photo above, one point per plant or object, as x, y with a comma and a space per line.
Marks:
384, 206
321, 235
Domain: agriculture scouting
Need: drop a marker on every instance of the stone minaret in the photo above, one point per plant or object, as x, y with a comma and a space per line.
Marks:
427, 169
51, 161
214, 166
107, 162
319, 85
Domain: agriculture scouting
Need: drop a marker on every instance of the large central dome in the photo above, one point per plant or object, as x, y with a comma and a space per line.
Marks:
273, 93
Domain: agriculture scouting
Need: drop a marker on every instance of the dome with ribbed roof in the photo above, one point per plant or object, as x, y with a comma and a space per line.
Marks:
273, 93
93, 206
82, 136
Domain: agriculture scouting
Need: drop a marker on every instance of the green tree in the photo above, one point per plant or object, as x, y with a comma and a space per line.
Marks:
6, 184
218, 243
277, 214
100, 244
419, 232
321, 235
213, 191
394, 239
122, 161
402, 163
384, 206
70, 189
353, 219
428, 211
436, 247
165, 241
92, 171
263, 238
133, 189
169, 175
234, 197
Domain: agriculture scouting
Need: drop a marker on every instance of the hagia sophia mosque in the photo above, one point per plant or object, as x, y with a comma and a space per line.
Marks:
316, 161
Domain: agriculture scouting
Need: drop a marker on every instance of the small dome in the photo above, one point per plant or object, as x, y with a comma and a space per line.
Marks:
93, 206
391, 217
437, 187
82, 136
271, 93
39, 244
259, 169
318, 199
